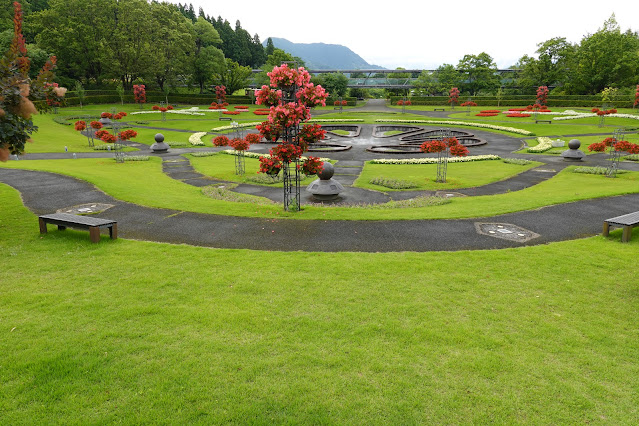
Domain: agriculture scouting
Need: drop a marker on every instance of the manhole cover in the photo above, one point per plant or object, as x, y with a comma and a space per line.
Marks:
505, 231
88, 208
545, 171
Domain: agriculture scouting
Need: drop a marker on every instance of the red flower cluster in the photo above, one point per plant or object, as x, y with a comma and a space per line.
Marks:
269, 131
155, 108
487, 114
51, 96
271, 166
597, 147
267, 96
96, 125
231, 112
262, 111
311, 96
80, 125
631, 148
287, 152
101, 133
490, 111
312, 166
542, 95
601, 112
221, 141
637, 96
284, 77
469, 103
106, 115
404, 102
310, 133
240, 107
453, 96
519, 109
125, 135
453, 145
253, 138
170, 107
139, 92
343, 103
108, 138
239, 144
119, 115
215, 105
517, 114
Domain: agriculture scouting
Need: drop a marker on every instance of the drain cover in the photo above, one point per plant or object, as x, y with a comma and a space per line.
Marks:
505, 231
89, 208
449, 194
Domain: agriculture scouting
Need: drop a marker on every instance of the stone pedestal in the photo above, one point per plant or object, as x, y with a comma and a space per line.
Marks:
325, 188
159, 145
573, 153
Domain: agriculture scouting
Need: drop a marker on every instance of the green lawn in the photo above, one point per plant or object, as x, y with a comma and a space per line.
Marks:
136, 332
459, 175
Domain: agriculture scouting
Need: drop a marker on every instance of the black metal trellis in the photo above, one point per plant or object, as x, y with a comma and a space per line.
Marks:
442, 157
615, 156
290, 170
118, 146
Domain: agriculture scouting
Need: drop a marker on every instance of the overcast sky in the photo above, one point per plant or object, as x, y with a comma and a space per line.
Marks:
424, 34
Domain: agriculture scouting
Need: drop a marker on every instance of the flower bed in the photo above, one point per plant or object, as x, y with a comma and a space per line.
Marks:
487, 114
196, 138
518, 114
231, 112
544, 145
430, 160
490, 111
248, 124
262, 111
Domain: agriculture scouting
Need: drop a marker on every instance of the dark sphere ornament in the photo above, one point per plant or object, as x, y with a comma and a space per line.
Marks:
574, 144
159, 137
327, 172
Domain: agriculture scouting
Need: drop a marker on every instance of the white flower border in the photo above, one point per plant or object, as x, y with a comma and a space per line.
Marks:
196, 138
430, 160
460, 123
223, 128
544, 144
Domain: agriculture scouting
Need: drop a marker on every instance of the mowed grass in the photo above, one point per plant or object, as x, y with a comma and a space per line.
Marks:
147, 185
459, 175
138, 332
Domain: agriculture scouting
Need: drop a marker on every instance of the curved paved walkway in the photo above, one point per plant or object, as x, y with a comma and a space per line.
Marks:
46, 192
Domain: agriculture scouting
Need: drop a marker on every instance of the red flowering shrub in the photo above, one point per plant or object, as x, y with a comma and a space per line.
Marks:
96, 125
490, 111
155, 108
594, 110
469, 103
220, 93
612, 111
108, 138
106, 115
433, 146
240, 107
139, 92
601, 113
163, 109
338, 103
518, 109
170, 107
119, 115
597, 147
271, 166
221, 141
453, 96
486, 114
239, 144
312, 166
125, 135
311, 95
267, 96
80, 125
609, 141
458, 150
262, 111
452, 144
231, 112
253, 138
101, 133
287, 152
542, 95
517, 114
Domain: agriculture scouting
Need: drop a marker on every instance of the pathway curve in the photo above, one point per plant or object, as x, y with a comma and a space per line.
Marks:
45, 193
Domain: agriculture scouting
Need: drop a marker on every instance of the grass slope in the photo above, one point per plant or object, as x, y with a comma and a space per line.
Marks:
136, 332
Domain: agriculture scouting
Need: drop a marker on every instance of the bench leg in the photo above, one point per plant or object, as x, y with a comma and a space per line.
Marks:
43, 226
627, 231
61, 228
606, 229
113, 231
94, 233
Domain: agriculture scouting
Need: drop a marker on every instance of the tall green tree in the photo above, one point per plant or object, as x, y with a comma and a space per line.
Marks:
426, 84
270, 47
446, 76
207, 58
606, 58
478, 72
234, 76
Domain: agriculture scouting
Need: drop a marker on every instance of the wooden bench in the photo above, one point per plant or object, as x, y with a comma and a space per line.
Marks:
439, 109
627, 221
93, 224
543, 121
225, 118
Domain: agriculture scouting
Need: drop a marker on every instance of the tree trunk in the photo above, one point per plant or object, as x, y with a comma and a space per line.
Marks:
4, 154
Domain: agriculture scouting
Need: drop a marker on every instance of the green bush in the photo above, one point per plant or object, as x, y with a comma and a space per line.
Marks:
393, 183
519, 161
596, 170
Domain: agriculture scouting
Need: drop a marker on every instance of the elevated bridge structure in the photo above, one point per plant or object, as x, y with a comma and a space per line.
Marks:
384, 79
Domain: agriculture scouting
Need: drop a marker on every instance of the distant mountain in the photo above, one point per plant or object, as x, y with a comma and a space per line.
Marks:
321, 56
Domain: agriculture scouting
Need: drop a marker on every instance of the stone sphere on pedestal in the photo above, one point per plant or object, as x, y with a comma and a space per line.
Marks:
574, 153
159, 145
325, 188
